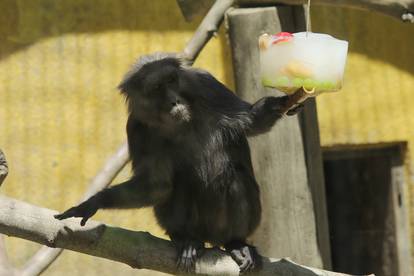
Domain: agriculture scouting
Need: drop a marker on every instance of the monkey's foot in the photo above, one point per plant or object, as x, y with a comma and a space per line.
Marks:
188, 251
244, 255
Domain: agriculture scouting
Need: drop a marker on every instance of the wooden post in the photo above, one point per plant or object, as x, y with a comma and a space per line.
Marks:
287, 160
399, 207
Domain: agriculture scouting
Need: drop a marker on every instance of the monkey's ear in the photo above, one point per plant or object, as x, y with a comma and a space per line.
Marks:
123, 87
129, 83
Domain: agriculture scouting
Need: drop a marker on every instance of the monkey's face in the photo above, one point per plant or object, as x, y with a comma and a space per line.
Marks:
155, 98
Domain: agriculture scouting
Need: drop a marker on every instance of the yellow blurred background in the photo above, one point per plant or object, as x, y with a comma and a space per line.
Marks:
61, 116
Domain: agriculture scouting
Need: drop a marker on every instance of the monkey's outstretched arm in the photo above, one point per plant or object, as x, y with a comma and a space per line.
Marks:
133, 193
265, 113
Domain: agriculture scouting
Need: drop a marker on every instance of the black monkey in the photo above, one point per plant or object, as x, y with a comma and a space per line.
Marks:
190, 158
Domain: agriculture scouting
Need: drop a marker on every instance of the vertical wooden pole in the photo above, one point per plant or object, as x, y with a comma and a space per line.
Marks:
287, 160
399, 207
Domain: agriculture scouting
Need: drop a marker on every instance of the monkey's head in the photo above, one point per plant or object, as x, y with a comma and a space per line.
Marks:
153, 91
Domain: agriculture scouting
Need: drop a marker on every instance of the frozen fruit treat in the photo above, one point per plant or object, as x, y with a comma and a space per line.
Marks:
310, 60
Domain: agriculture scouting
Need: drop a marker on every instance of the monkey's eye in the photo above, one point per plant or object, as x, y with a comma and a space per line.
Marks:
171, 79
158, 86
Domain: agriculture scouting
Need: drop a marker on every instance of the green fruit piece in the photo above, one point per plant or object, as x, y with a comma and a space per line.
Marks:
328, 85
267, 82
310, 84
297, 82
282, 82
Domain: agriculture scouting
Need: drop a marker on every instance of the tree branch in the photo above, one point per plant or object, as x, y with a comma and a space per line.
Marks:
6, 268
46, 255
206, 30
400, 9
4, 169
137, 249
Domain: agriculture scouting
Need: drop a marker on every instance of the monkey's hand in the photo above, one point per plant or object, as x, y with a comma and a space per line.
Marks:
266, 112
295, 110
273, 107
85, 210
278, 104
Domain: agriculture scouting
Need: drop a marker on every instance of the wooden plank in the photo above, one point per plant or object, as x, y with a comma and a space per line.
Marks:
288, 225
347, 151
3, 167
399, 9
399, 202
316, 179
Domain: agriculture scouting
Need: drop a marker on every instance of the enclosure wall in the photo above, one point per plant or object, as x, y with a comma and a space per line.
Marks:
61, 115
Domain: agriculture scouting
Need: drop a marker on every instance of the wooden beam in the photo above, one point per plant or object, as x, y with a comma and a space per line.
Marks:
399, 199
6, 267
399, 9
192, 9
207, 28
3, 167
316, 179
289, 225
45, 256
137, 249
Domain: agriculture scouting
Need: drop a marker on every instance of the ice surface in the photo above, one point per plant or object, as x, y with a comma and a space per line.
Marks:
312, 60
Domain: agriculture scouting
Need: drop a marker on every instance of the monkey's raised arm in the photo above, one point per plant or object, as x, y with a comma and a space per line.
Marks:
252, 119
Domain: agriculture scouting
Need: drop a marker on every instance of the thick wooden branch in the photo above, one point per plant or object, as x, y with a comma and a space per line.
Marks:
400, 9
3, 167
6, 268
206, 30
46, 255
137, 249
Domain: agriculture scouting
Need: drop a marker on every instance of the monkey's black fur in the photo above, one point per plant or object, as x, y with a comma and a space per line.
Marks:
190, 158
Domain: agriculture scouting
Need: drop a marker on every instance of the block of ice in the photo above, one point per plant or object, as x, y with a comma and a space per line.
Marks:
309, 60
